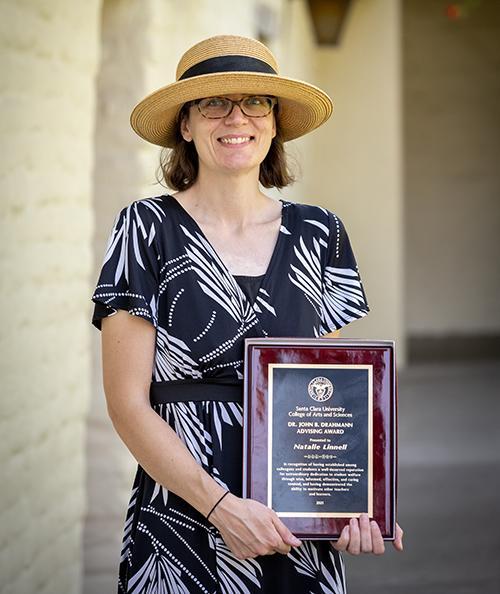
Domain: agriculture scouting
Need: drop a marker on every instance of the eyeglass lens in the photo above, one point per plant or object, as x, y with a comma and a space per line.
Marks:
253, 106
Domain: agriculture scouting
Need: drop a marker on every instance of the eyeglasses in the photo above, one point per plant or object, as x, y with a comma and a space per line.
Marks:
253, 106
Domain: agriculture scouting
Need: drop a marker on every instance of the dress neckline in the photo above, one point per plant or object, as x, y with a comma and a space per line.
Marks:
249, 276
274, 256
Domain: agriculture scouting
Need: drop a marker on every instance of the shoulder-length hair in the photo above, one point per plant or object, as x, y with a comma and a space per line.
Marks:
178, 167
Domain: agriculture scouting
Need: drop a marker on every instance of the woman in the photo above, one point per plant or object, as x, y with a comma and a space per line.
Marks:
200, 270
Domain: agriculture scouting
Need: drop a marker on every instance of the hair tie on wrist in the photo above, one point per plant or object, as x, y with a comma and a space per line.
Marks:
218, 501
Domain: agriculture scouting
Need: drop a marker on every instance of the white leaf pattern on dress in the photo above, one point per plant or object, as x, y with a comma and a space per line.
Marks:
230, 413
307, 562
124, 555
233, 573
128, 245
261, 298
318, 224
307, 277
172, 360
214, 279
191, 430
158, 574
157, 489
343, 299
122, 234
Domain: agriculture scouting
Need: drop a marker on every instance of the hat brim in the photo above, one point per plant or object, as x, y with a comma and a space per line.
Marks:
302, 106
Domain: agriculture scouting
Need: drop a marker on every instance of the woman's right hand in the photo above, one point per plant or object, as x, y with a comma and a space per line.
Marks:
250, 529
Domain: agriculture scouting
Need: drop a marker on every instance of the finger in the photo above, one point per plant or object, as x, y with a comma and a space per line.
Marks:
398, 541
285, 533
365, 534
343, 540
354, 541
378, 546
280, 546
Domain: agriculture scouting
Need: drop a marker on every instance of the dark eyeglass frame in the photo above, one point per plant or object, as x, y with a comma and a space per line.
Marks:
238, 102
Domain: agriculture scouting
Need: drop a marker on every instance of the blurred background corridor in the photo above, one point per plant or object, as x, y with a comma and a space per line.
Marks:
449, 485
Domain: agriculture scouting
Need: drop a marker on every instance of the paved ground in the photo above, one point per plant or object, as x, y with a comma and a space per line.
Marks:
449, 496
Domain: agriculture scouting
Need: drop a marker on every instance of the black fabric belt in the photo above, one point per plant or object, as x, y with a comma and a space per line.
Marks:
196, 390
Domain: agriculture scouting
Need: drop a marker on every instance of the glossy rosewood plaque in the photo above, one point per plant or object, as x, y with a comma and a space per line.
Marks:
320, 432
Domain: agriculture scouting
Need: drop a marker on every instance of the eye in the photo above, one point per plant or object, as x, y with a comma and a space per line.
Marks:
213, 102
256, 100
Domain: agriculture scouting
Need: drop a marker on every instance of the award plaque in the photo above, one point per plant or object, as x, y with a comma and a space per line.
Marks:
320, 432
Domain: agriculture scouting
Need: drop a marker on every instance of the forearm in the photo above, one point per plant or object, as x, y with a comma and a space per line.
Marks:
158, 449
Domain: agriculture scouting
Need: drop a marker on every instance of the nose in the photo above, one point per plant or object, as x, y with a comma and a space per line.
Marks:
236, 116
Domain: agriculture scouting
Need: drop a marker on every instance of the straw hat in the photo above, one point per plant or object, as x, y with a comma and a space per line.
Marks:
223, 65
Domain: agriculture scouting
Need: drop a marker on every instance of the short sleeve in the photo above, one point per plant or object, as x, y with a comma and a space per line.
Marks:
129, 277
343, 299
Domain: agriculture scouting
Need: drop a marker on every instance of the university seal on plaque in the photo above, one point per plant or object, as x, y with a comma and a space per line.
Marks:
320, 389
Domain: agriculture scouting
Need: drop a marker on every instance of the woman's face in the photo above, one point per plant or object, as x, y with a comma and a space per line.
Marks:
235, 143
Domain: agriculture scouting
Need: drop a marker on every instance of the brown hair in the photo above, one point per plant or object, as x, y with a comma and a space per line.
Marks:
178, 168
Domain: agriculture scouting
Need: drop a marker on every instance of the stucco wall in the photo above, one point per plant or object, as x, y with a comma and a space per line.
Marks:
452, 143
358, 165
118, 176
297, 58
48, 57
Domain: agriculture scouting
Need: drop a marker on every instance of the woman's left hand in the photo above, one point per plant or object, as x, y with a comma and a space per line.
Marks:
364, 536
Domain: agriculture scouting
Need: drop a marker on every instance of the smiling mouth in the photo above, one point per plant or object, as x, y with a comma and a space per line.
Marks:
235, 139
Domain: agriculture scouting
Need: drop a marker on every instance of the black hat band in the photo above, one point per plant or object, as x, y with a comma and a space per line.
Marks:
228, 64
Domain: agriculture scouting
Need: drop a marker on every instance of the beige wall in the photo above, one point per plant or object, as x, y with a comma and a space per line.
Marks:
357, 169
296, 54
118, 175
452, 147
48, 61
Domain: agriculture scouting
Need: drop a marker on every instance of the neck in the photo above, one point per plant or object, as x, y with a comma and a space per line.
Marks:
227, 199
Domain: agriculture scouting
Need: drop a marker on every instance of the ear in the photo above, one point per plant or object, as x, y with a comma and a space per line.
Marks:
185, 130
274, 125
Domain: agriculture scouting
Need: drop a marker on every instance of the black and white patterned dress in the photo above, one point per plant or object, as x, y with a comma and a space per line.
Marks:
159, 265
